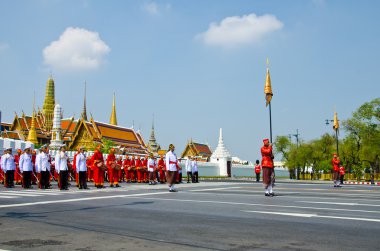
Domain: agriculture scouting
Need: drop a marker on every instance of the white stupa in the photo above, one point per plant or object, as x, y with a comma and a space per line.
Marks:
56, 140
222, 157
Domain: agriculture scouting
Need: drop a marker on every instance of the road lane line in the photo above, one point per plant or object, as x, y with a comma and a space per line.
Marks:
19, 194
8, 197
263, 205
213, 189
312, 216
78, 199
338, 203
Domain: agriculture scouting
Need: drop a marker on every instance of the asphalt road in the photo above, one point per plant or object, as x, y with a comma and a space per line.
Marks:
203, 216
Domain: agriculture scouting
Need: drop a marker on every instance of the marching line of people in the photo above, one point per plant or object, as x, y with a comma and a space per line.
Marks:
39, 169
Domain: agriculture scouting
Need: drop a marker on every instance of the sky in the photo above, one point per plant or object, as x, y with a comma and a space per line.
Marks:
196, 65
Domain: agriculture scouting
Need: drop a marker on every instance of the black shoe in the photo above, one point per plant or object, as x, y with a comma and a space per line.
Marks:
271, 194
111, 185
267, 194
87, 188
117, 185
80, 187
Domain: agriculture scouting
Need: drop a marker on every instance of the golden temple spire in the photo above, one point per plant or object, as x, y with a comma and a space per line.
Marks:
336, 122
49, 103
32, 136
113, 119
268, 86
84, 112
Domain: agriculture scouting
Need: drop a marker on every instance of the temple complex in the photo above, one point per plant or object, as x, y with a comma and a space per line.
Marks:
201, 151
39, 128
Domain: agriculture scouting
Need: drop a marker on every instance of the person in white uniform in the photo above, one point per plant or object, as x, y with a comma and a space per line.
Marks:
26, 168
171, 166
151, 167
81, 168
61, 160
194, 167
9, 166
188, 169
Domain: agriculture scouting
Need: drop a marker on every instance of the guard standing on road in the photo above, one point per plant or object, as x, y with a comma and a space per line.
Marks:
342, 172
26, 167
268, 167
61, 160
257, 170
335, 163
194, 168
81, 169
8, 165
171, 165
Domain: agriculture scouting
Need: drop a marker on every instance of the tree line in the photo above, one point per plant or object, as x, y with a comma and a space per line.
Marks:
359, 150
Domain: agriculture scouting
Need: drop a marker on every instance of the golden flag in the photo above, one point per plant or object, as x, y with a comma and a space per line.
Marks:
336, 121
268, 88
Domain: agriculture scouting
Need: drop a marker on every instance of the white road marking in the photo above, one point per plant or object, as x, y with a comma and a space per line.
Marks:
338, 203
313, 215
19, 194
78, 199
214, 189
261, 194
7, 197
263, 205
31, 192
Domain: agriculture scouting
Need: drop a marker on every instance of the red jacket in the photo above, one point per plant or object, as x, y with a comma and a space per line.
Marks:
96, 158
127, 163
257, 168
335, 163
138, 164
267, 154
110, 158
342, 171
161, 164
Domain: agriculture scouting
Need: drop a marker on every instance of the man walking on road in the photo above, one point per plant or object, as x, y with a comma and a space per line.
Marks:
171, 165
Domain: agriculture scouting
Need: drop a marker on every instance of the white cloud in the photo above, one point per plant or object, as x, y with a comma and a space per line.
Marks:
236, 30
76, 49
155, 9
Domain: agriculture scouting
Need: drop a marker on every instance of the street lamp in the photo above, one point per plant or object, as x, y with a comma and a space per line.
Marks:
297, 140
328, 121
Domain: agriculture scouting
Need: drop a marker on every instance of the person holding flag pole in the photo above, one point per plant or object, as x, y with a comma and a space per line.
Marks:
266, 150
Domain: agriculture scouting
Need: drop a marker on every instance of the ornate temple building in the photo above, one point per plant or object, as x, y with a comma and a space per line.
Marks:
201, 151
73, 132
153, 147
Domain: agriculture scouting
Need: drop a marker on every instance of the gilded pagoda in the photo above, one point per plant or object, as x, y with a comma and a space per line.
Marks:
75, 132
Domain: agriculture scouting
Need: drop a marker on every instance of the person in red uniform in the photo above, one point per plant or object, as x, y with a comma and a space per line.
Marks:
138, 165
342, 172
127, 166
145, 172
161, 169
268, 167
74, 169
90, 169
113, 178
98, 163
18, 176
119, 163
257, 170
335, 164
34, 173
133, 170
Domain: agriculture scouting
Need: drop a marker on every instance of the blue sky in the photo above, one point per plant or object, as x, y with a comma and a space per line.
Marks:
197, 65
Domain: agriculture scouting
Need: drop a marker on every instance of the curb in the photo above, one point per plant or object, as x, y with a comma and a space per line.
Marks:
361, 183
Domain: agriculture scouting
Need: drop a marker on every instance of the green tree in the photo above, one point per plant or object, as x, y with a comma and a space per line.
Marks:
282, 145
362, 147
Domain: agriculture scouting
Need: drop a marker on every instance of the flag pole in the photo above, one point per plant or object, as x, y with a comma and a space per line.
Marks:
270, 121
268, 96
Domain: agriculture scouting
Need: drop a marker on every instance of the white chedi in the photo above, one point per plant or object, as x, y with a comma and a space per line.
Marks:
220, 151
222, 157
56, 141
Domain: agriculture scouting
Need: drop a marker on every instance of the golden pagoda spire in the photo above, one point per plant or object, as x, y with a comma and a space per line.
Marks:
32, 136
49, 103
84, 112
113, 120
268, 86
